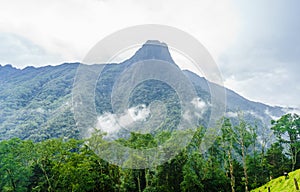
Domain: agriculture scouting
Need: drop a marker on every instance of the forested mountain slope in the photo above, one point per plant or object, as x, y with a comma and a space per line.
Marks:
36, 103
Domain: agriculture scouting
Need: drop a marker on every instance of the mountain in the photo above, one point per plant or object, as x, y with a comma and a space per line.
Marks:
36, 103
152, 49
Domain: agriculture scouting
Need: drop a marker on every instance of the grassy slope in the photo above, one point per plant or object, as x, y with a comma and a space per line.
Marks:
281, 184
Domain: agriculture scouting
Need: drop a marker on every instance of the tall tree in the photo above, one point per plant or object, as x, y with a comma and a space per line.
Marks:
277, 162
227, 141
243, 139
287, 129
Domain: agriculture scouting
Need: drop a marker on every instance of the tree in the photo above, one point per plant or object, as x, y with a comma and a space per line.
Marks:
287, 130
15, 162
243, 139
257, 170
215, 178
276, 160
194, 173
227, 141
203, 170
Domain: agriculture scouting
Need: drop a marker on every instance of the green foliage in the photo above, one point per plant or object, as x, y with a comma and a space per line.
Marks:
15, 162
72, 165
36, 103
194, 173
287, 129
277, 162
258, 170
139, 141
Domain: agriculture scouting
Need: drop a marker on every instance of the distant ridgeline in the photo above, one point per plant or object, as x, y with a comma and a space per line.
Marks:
36, 103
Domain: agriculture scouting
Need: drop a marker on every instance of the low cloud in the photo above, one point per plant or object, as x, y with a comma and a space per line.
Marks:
267, 112
292, 110
199, 104
108, 123
111, 123
231, 114
197, 109
139, 113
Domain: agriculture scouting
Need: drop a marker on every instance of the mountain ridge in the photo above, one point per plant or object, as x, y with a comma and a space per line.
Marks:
37, 101
15, 69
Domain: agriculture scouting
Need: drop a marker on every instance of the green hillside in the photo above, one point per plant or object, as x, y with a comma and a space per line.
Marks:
281, 184
36, 103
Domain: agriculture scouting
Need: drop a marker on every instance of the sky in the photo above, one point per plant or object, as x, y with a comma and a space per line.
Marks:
256, 44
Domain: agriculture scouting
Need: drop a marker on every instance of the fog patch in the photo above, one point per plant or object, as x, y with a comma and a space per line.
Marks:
112, 123
292, 110
139, 113
267, 112
231, 114
198, 108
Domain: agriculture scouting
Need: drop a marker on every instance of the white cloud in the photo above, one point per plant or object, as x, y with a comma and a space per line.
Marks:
108, 123
292, 111
111, 123
263, 63
274, 86
257, 48
199, 108
231, 114
20, 52
139, 113
267, 112
199, 104
70, 28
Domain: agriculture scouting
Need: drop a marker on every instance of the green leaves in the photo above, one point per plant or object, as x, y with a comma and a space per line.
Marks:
36, 103
71, 165
15, 164
287, 130
139, 141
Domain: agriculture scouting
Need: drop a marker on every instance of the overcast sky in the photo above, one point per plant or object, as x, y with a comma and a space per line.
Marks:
256, 43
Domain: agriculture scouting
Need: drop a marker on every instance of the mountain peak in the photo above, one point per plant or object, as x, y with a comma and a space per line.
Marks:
153, 49
156, 42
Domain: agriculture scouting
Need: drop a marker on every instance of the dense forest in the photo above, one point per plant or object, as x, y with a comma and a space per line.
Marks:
238, 160
42, 147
